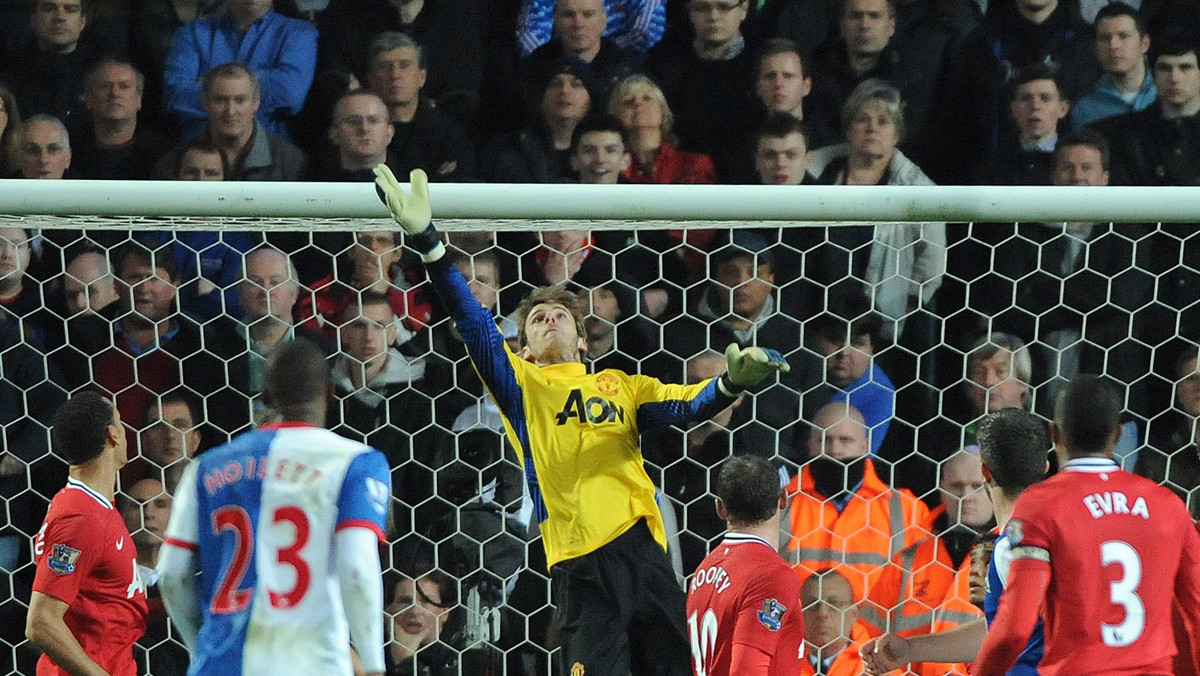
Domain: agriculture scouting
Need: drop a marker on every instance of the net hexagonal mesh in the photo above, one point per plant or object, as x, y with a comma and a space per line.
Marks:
922, 327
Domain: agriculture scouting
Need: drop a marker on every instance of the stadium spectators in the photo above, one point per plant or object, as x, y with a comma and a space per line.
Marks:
833, 633
1127, 84
926, 588
231, 98
360, 134
47, 77
1037, 107
281, 53
115, 145
848, 346
782, 83
169, 440
424, 136
841, 511
88, 284
635, 26
43, 148
650, 126
10, 124
1171, 458
416, 612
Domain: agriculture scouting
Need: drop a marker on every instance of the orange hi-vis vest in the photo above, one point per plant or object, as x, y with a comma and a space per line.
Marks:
848, 662
922, 593
878, 522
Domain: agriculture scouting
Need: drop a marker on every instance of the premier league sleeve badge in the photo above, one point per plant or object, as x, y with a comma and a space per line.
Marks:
771, 614
62, 559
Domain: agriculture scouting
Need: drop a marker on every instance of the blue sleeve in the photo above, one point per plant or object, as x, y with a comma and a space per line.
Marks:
483, 340
287, 73
366, 493
641, 25
181, 82
685, 406
535, 23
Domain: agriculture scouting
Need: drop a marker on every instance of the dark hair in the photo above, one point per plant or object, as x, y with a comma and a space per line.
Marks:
362, 300
1087, 414
179, 395
1115, 9
598, 122
158, 257
1033, 73
775, 47
779, 125
81, 427
353, 93
390, 40
849, 319
578, 308
201, 144
1176, 42
1084, 136
749, 487
296, 375
891, 5
229, 70
1013, 446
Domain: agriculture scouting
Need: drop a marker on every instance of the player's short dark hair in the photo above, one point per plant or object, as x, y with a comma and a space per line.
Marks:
296, 375
776, 46
1089, 138
1087, 413
749, 487
1013, 446
81, 427
1115, 9
599, 122
780, 125
577, 306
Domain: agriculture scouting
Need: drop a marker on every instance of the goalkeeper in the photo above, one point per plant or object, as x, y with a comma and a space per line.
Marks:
619, 606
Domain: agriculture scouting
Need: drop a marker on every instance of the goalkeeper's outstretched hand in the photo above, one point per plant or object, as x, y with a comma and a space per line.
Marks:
749, 366
412, 212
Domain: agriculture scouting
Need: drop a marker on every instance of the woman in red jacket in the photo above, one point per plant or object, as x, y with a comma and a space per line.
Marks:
642, 108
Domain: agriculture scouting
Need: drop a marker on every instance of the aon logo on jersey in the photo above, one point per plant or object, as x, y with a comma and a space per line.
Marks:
593, 409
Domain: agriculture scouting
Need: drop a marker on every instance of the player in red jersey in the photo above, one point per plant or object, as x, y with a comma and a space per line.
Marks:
89, 603
744, 600
1103, 552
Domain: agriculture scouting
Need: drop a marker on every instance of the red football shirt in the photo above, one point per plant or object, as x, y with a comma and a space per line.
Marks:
744, 593
86, 559
1120, 549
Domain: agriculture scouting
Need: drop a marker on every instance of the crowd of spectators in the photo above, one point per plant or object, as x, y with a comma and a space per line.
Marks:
899, 336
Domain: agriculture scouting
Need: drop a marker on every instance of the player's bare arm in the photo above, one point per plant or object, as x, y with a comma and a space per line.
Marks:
45, 628
961, 644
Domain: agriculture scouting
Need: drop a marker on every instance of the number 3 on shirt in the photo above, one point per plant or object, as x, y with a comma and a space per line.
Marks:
1123, 592
228, 598
704, 639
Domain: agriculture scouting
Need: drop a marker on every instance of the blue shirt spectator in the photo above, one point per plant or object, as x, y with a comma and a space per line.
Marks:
875, 397
1127, 84
281, 51
847, 340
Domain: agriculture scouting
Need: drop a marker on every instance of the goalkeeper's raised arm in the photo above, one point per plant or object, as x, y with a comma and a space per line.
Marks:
577, 435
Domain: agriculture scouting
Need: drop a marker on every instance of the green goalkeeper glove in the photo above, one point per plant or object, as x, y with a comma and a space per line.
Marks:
748, 367
411, 211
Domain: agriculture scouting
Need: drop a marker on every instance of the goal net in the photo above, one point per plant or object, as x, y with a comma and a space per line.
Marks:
923, 307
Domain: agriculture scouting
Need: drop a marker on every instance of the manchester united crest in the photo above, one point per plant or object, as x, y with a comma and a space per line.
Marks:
608, 384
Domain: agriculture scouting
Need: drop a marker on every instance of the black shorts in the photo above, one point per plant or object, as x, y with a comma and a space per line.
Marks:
620, 609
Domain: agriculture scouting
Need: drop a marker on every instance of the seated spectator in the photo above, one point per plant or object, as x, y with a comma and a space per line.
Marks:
848, 346
1157, 145
1171, 457
360, 135
833, 633
267, 294
999, 373
540, 152
616, 337
424, 136
89, 286
230, 98
48, 76
455, 66
1126, 85
375, 264
981, 560
842, 513
599, 151
209, 261
43, 148
577, 39
926, 589
10, 125
649, 123
782, 83
899, 266
781, 151
280, 52
155, 348
146, 508
169, 440
1037, 107
116, 145
636, 26
416, 612
708, 81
